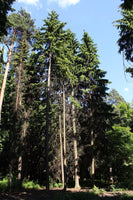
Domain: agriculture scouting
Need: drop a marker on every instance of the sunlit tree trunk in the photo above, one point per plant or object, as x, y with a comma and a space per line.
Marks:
64, 135
19, 106
92, 159
6, 73
75, 146
47, 124
61, 151
61, 145
92, 172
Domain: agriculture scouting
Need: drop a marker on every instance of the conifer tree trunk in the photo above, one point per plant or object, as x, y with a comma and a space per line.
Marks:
6, 73
64, 136
61, 146
20, 159
92, 173
19, 105
92, 159
18, 95
75, 146
61, 150
20, 169
10, 174
47, 125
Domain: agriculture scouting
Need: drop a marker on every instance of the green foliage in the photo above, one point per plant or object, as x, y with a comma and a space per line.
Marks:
124, 196
23, 125
127, 4
114, 98
125, 26
30, 185
58, 185
122, 141
96, 190
4, 184
5, 7
125, 113
114, 189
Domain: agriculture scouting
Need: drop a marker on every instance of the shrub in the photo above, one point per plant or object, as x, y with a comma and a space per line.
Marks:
58, 185
30, 185
96, 190
4, 184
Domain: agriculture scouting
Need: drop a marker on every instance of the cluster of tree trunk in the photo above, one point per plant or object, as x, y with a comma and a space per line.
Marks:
56, 116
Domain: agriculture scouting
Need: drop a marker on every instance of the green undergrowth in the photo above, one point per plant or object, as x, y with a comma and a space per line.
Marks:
26, 184
4, 185
30, 185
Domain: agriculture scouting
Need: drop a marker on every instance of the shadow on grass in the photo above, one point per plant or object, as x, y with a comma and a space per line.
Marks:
61, 195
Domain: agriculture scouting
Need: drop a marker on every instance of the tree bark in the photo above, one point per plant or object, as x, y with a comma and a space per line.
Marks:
64, 136
92, 173
61, 143
75, 146
19, 105
92, 159
47, 125
20, 168
61, 151
18, 97
6, 73
10, 175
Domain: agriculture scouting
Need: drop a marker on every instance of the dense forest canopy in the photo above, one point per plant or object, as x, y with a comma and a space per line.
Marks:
59, 123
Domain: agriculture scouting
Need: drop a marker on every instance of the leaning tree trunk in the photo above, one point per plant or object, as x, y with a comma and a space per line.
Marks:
64, 136
75, 146
47, 125
6, 73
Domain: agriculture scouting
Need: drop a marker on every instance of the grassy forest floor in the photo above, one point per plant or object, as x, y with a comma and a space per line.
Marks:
70, 194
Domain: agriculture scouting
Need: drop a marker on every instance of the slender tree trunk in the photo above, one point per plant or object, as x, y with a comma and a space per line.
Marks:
92, 159
92, 173
47, 125
6, 73
10, 175
64, 135
20, 159
18, 95
19, 105
20, 169
61, 144
75, 146
61, 150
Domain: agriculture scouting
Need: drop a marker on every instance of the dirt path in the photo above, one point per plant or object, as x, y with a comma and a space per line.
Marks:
43, 195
